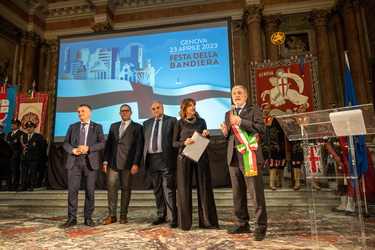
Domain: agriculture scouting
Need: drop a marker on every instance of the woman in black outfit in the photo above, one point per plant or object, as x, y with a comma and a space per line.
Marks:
189, 123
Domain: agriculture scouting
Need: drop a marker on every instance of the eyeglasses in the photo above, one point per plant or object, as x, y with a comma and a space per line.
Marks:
125, 110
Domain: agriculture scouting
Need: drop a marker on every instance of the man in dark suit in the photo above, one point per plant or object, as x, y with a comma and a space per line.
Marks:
160, 159
83, 142
122, 156
33, 153
245, 119
13, 138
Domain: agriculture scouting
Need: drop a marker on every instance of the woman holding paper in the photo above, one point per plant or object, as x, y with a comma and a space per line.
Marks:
184, 129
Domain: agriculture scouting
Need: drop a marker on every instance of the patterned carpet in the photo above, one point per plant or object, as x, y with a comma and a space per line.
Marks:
289, 228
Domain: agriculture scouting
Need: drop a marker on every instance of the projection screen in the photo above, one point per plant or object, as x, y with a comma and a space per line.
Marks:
139, 66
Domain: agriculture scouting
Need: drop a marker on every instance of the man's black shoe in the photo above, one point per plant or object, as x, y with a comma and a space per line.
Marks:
14, 189
69, 223
244, 229
30, 189
173, 224
89, 222
21, 189
353, 214
158, 221
259, 234
335, 210
349, 213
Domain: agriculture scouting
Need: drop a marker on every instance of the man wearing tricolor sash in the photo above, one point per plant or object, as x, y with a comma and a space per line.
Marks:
241, 128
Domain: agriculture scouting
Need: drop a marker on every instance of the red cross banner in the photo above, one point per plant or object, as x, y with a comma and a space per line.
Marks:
285, 85
315, 158
32, 109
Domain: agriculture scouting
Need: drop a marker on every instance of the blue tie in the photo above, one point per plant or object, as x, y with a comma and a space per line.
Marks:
238, 111
155, 136
82, 134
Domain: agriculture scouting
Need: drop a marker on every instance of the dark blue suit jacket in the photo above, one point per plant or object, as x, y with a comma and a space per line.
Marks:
95, 142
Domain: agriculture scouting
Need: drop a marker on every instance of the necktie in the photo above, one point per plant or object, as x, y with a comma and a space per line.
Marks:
155, 136
82, 134
122, 129
238, 111
28, 137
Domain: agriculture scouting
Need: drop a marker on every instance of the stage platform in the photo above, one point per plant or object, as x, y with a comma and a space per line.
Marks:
30, 220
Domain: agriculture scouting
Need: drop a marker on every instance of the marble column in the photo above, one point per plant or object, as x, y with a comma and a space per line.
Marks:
361, 37
52, 43
271, 24
30, 56
319, 19
354, 51
340, 48
42, 67
50, 87
21, 64
253, 17
239, 50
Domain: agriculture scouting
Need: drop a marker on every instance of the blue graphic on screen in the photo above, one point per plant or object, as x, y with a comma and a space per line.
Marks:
138, 70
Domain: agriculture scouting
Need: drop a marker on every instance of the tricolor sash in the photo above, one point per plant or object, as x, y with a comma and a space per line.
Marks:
249, 143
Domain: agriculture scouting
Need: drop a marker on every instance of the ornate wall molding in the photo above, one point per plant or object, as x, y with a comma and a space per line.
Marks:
31, 39
296, 8
295, 21
101, 27
346, 6
271, 22
126, 6
52, 43
320, 17
10, 31
253, 13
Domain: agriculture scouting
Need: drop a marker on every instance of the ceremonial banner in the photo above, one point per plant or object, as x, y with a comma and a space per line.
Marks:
285, 84
34, 110
7, 100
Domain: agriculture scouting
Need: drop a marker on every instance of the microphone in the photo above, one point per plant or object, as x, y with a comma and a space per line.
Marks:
234, 109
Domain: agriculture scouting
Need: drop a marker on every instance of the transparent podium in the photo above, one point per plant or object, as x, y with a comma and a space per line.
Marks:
327, 137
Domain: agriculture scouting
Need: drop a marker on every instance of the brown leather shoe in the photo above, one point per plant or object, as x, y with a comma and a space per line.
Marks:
109, 220
123, 219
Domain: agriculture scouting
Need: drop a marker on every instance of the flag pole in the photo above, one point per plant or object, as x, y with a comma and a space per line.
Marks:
363, 177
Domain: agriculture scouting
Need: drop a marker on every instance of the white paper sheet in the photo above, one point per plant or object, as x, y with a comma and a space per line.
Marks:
194, 151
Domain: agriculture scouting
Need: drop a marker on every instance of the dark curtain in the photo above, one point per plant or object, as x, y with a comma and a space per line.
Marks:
56, 177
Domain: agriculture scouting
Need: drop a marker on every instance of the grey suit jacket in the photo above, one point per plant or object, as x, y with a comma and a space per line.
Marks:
168, 151
124, 152
95, 142
252, 121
